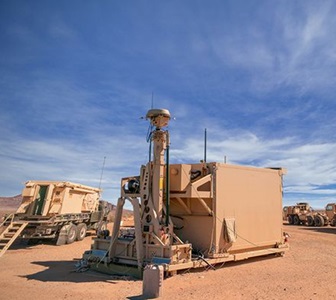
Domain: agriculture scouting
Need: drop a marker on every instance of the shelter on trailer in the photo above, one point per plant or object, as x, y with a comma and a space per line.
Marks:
55, 210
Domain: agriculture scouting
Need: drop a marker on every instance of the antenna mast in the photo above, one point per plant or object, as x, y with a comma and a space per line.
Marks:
102, 171
205, 145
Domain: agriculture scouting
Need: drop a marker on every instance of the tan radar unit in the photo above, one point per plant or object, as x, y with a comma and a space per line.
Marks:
192, 215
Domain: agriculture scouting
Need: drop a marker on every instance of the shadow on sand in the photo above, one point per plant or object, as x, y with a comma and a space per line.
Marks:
331, 230
325, 229
65, 271
21, 243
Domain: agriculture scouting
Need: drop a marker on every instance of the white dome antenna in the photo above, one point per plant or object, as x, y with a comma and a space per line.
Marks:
158, 117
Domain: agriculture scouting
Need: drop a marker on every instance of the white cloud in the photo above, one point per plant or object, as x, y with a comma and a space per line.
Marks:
310, 166
25, 159
295, 51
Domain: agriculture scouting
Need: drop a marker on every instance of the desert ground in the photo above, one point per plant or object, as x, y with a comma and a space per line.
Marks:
307, 271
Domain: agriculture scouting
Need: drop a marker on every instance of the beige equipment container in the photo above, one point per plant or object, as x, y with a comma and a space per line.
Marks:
58, 210
193, 215
51, 198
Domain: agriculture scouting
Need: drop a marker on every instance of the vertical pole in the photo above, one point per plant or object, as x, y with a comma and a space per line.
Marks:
102, 171
150, 150
205, 145
167, 181
159, 146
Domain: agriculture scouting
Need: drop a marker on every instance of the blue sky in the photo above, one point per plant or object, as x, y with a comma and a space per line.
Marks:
76, 76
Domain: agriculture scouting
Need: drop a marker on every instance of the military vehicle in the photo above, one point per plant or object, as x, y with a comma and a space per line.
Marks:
58, 210
328, 217
302, 213
330, 211
193, 214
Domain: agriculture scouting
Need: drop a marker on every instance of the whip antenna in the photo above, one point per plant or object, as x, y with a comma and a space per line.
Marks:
102, 171
205, 145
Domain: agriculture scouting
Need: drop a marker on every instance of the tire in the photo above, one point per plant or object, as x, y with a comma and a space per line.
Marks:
290, 220
333, 222
101, 226
296, 220
72, 233
319, 221
310, 221
81, 231
102, 231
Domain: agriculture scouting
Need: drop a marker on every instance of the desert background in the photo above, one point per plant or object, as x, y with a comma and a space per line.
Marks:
307, 271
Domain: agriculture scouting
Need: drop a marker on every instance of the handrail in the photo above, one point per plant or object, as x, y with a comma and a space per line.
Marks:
6, 218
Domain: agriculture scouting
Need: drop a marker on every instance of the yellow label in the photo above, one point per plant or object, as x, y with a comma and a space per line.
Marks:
161, 183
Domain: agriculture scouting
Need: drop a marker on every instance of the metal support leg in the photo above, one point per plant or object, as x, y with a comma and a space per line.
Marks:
116, 227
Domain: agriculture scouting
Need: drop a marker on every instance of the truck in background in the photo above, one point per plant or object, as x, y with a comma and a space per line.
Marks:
58, 210
302, 213
328, 217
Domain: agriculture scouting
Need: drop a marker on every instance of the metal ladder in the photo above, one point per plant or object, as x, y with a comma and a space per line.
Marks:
10, 234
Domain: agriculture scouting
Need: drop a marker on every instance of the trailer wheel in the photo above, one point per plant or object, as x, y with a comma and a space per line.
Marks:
81, 231
319, 221
310, 221
101, 226
72, 231
296, 220
290, 220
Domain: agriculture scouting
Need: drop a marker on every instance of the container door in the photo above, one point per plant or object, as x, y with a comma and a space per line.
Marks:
39, 201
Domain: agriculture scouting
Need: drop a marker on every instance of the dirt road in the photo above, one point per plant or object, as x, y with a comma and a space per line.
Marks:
307, 271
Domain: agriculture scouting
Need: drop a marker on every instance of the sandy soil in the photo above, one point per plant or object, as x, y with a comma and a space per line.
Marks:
307, 271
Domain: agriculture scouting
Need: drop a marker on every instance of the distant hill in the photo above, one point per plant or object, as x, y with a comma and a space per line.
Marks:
10, 203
